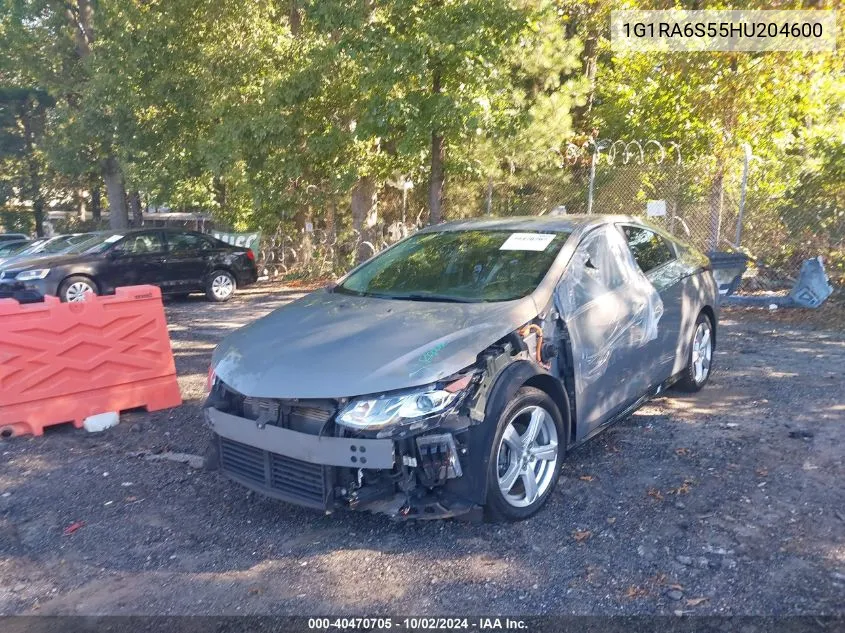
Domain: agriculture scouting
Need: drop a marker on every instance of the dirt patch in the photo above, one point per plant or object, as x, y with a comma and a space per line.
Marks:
728, 502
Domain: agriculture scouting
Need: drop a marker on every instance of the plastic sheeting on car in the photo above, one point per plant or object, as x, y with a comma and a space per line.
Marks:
606, 301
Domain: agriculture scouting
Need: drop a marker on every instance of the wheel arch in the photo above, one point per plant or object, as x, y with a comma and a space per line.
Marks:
511, 379
93, 279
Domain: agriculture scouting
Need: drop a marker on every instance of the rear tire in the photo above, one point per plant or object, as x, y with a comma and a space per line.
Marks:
74, 288
700, 360
526, 456
221, 286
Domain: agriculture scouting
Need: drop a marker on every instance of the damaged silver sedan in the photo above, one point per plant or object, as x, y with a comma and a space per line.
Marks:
451, 373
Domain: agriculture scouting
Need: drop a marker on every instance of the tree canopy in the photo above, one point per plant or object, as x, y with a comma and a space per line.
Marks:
268, 112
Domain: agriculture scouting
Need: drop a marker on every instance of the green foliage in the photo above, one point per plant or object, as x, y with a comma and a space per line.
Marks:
267, 114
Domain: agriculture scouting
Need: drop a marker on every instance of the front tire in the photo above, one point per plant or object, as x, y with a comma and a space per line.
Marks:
700, 360
221, 286
525, 457
74, 288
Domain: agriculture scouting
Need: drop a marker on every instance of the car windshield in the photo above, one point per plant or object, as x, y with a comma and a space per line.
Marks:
97, 243
60, 244
463, 266
12, 248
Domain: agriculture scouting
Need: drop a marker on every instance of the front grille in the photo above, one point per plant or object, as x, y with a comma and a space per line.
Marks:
243, 460
275, 475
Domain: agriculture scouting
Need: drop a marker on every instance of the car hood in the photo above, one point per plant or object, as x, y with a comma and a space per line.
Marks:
331, 345
39, 261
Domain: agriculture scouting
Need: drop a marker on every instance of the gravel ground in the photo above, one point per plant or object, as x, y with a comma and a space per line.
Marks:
728, 502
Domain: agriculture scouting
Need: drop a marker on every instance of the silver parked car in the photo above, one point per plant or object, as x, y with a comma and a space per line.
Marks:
453, 371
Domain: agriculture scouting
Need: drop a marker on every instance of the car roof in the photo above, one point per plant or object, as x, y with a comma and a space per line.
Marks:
567, 223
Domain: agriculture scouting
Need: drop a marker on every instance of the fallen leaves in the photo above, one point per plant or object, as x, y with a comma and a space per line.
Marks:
683, 489
586, 477
581, 536
655, 493
635, 591
682, 452
762, 472
694, 602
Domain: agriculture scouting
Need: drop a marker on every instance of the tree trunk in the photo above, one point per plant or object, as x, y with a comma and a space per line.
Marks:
438, 151
81, 18
33, 180
435, 190
364, 212
81, 204
488, 199
96, 204
219, 192
137, 211
116, 192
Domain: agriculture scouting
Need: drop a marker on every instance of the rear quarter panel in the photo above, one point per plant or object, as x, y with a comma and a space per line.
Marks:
699, 292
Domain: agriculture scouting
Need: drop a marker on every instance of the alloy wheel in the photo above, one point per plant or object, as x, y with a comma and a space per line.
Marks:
702, 352
527, 456
77, 291
222, 286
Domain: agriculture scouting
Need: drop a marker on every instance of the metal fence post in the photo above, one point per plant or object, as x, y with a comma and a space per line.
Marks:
746, 160
590, 189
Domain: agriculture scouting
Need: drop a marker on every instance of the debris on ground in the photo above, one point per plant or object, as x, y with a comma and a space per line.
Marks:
101, 421
73, 527
194, 461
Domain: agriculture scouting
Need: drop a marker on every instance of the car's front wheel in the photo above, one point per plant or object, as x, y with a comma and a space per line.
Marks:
526, 456
76, 287
220, 286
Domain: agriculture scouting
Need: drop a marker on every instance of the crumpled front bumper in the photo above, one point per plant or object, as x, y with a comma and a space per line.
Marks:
289, 465
326, 472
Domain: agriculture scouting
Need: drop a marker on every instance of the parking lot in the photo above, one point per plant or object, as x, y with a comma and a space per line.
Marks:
727, 502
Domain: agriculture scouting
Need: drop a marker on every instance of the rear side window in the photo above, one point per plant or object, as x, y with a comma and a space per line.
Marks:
184, 242
650, 250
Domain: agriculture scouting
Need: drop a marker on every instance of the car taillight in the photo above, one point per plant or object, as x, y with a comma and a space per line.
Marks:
250, 255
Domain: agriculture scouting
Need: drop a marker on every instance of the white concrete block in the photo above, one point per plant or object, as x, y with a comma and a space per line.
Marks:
101, 421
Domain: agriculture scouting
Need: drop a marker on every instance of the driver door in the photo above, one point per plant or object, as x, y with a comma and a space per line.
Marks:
136, 259
611, 311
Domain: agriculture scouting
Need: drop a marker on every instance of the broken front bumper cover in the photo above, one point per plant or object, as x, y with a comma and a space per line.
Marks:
326, 472
314, 449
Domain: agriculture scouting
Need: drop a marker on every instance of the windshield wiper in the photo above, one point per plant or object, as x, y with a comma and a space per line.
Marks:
426, 297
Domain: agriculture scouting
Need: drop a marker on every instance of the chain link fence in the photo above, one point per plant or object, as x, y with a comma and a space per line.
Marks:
702, 201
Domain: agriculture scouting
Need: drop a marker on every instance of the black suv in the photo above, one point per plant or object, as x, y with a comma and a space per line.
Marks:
178, 261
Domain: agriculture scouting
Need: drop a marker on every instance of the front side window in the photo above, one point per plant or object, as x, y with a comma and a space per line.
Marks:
141, 244
465, 266
649, 249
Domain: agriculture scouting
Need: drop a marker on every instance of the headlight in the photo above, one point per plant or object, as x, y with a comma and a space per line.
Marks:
28, 275
377, 413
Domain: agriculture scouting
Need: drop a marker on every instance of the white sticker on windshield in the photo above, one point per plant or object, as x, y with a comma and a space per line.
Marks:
112, 238
527, 242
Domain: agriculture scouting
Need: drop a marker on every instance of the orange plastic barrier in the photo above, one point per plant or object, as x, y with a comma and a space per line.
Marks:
62, 362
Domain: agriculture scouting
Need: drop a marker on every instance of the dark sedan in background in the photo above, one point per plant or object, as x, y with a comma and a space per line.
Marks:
178, 261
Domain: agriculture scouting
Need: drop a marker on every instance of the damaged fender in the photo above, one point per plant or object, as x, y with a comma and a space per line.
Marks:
473, 485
